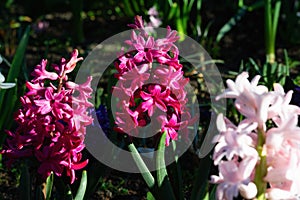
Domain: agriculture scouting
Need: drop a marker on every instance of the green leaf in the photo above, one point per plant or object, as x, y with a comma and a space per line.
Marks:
49, 185
201, 181
173, 11
163, 182
150, 196
128, 9
136, 7
256, 5
7, 111
25, 183
13, 74
39, 193
142, 166
68, 193
256, 67
99, 170
212, 195
231, 23
176, 175
82, 187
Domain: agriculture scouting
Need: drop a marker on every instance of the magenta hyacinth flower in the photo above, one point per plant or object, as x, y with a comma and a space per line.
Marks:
151, 84
52, 121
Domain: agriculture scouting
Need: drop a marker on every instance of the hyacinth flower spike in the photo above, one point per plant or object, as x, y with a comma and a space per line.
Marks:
52, 121
267, 141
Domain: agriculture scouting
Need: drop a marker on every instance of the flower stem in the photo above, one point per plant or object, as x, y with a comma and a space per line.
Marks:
271, 22
261, 169
60, 82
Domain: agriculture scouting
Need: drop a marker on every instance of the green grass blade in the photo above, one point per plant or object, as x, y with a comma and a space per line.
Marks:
82, 186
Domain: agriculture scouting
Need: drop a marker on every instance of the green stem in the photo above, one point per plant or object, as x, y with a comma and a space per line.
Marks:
261, 169
271, 22
270, 48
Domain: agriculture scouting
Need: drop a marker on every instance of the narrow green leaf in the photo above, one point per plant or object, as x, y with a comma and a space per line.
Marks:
150, 196
160, 161
16, 65
241, 3
68, 193
191, 3
206, 30
256, 67
25, 183
99, 170
39, 193
136, 6
212, 195
173, 11
142, 166
19, 57
175, 173
49, 185
201, 181
163, 182
268, 29
231, 23
185, 7
256, 5
127, 8
82, 187
7, 111
276, 17
9, 3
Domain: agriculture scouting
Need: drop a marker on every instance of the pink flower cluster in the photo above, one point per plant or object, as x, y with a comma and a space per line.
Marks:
236, 152
151, 81
52, 121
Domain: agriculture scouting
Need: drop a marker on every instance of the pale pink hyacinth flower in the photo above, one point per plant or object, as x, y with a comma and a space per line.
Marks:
234, 177
281, 147
234, 144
